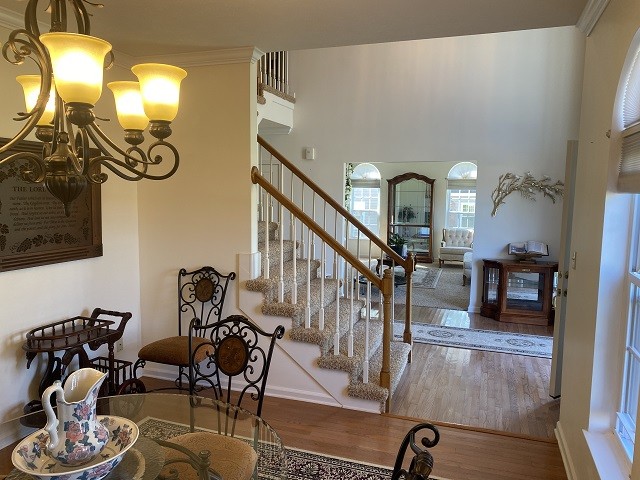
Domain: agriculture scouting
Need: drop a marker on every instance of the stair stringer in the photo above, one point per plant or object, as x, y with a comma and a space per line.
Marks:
295, 363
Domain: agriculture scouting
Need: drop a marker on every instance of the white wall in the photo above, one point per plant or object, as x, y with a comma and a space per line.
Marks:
506, 101
204, 213
596, 304
36, 296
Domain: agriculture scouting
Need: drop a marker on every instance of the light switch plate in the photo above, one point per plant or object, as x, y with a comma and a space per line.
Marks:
309, 153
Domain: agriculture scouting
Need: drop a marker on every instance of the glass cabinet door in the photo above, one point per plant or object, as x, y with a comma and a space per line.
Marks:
525, 290
491, 282
410, 213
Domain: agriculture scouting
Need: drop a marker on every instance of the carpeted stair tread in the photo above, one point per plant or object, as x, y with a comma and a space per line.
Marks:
296, 311
269, 287
353, 365
288, 247
373, 390
324, 338
262, 231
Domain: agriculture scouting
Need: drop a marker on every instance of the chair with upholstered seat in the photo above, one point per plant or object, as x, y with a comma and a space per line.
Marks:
455, 243
201, 295
237, 354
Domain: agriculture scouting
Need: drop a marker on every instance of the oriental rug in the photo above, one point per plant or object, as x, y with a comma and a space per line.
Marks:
433, 287
301, 464
487, 340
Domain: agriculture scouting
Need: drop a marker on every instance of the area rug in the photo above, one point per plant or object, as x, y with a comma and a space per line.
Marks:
301, 464
446, 291
487, 340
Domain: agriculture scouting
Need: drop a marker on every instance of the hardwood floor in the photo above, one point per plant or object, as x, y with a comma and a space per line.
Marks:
495, 391
461, 454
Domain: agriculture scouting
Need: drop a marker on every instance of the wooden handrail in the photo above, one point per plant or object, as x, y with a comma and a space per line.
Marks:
406, 263
258, 178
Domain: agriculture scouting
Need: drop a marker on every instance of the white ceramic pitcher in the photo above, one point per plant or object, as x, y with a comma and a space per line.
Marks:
75, 435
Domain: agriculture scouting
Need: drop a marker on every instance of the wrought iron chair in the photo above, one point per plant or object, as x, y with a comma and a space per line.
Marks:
422, 463
201, 295
236, 349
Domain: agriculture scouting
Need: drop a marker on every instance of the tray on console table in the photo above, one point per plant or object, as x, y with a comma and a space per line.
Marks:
66, 334
69, 338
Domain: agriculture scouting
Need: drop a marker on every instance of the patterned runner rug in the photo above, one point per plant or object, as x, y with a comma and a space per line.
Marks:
301, 465
487, 340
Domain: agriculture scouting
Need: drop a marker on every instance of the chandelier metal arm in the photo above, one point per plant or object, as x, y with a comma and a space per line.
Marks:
31, 18
38, 173
137, 166
21, 49
82, 17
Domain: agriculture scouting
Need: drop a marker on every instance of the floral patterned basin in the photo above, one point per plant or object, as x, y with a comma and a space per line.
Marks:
30, 455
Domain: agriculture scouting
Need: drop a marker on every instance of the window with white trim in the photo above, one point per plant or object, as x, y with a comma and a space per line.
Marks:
461, 195
365, 198
627, 416
625, 142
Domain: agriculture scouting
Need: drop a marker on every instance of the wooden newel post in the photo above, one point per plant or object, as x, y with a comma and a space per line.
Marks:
408, 312
387, 335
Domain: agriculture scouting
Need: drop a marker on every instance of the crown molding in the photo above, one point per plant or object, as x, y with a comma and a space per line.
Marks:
213, 57
12, 20
590, 15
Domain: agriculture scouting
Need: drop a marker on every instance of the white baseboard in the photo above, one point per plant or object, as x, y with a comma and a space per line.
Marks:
301, 395
564, 452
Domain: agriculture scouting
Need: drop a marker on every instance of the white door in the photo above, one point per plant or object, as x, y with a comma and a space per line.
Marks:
564, 267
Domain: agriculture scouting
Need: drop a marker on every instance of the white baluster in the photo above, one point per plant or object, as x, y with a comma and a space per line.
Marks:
350, 278
266, 271
307, 310
302, 226
286, 73
393, 292
280, 69
294, 286
367, 321
292, 236
323, 270
281, 260
336, 336
313, 215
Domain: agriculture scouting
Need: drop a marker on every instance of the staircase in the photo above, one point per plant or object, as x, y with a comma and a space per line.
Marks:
350, 312
311, 282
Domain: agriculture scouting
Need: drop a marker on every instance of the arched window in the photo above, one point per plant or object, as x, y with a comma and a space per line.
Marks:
365, 197
461, 195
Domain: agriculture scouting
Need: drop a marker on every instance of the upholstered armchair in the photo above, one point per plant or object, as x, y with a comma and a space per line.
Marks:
455, 243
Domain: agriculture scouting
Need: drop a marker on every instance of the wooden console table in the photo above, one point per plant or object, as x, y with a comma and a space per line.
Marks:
518, 292
68, 338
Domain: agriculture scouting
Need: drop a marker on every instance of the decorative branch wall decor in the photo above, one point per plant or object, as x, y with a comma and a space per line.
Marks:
527, 185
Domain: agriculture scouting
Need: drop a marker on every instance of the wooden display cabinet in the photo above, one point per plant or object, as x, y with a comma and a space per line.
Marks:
518, 292
410, 213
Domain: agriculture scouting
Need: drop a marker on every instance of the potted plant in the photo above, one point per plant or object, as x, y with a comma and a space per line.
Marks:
398, 244
406, 214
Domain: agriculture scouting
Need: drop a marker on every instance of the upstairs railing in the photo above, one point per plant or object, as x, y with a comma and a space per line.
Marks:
273, 75
320, 225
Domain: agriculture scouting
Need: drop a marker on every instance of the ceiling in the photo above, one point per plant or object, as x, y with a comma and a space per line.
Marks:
158, 27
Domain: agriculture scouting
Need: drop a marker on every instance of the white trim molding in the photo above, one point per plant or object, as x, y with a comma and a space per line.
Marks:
12, 20
590, 15
564, 453
224, 56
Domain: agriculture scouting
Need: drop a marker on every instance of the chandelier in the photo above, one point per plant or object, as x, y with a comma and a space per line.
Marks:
60, 101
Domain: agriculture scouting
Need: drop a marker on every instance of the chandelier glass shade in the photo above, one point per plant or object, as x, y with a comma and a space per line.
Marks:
60, 101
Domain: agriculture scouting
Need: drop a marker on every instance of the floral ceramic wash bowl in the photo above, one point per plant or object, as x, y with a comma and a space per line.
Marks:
30, 455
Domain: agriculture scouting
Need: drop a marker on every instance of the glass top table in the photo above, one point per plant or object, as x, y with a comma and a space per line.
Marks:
160, 417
